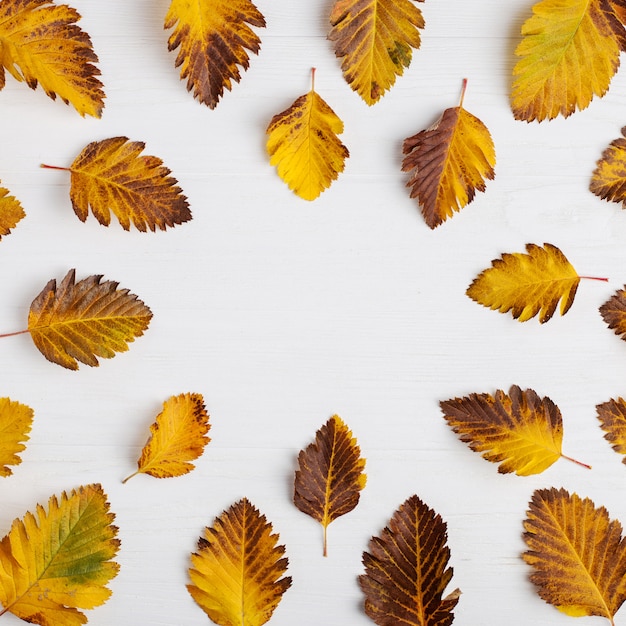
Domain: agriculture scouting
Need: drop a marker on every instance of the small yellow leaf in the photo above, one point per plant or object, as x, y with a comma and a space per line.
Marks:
527, 284
448, 162
577, 553
303, 145
15, 424
11, 212
330, 474
85, 320
612, 416
375, 39
57, 561
40, 43
236, 573
177, 437
609, 178
213, 36
568, 54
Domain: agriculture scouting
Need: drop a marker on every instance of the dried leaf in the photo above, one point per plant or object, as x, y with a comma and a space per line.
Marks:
519, 430
330, 474
177, 437
613, 312
237, 570
15, 424
406, 570
448, 162
11, 212
612, 416
577, 553
568, 54
609, 178
214, 37
303, 145
58, 561
527, 284
375, 39
40, 43
84, 320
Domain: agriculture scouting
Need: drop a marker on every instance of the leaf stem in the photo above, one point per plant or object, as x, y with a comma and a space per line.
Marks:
17, 332
569, 458
312, 79
129, 477
54, 167
463, 88
325, 552
605, 280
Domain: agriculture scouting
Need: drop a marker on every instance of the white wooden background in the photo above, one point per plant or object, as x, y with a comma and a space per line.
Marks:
282, 312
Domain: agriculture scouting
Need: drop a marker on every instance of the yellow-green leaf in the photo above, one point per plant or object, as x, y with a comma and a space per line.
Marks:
375, 39
214, 37
15, 424
330, 475
40, 43
177, 437
80, 321
237, 570
303, 145
55, 562
11, 212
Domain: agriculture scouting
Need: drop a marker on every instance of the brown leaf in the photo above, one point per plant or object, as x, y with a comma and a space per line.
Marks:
406, 570
609, 178
613, 312
330, 475
612, 416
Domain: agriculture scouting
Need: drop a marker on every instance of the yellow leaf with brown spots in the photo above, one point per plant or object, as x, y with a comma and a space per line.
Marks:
609, 178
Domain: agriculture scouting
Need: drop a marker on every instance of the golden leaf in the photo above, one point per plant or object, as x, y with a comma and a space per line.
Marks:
613, 312
527, 284
375, 38
11, 212
40, 43
577, 553
568, 54
15, 423
448, 162
612, 416
519, 430
237, 570
58, 561
406, 570
213, 36
609, 178
330, 474
303, 145
84, 320
177, 437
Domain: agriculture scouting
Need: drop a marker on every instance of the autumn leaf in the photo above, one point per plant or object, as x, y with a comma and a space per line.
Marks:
406, 570
375, 39
40, 43
214, 37
112, 176
528, 284
612, 416
55, 562
519, 430
236, 573
568, 54
448, 162
330, 474
577, 553
609, 178
11, 211
15, 424
177, 437
613, 312
303, 145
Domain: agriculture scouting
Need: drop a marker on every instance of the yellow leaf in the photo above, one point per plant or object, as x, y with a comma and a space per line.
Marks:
58, 561
111, 175
569, 54
177, 437
519, 430
84, 320
15, 423
237, 570
577, 553
375, 38
527, 284
609, 178
213, 36
612, 416
11, 212
448, 162
330, 474
303, 145
406, 570
40, 43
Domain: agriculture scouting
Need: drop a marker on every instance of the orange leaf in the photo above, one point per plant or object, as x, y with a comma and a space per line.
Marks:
448, 162
213, 36
612, 416
406, 570
613, 312
609, 178
11, 212
330, 474
177, 437
236, 573
15, 424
